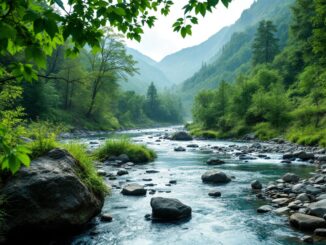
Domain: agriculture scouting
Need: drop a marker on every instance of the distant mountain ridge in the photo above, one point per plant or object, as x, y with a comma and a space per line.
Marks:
184, 63
148, 71
235, 56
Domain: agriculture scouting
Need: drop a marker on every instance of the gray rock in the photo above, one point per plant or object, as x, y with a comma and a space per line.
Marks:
192, 146
122, 172
306, 222
152, 171
282, 210
214, 193
290, 178
168, 209
321, 197
256, 185
265, 209
303, 197
181, 136
313, 190
307, 239
124, 158
173, 182
215, 176
281, 201
320, 232
133, 190
49, 196
303, 155
318, 208
214, 161
179, 148
106, 217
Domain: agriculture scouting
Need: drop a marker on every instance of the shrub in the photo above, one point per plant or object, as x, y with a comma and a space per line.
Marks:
265, 131
115, 147
308, 135
87, 171
44, 137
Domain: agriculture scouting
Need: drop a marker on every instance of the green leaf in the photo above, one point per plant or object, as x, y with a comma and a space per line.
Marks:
38, 25
51, 28
24, 159
119, 11
7, 31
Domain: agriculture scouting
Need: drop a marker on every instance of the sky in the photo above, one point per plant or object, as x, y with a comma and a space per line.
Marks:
161, 40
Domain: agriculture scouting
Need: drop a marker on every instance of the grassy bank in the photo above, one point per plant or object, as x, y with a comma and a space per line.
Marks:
309, 135
115, 147
87, 171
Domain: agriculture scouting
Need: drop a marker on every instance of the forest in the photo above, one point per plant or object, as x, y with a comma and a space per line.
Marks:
283, 93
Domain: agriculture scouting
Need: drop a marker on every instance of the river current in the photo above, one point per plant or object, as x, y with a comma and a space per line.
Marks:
231, 219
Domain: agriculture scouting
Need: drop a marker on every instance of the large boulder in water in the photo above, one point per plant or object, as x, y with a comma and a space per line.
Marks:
48, 197
181, 136
306, 222
290, 178
167, 209
215, 177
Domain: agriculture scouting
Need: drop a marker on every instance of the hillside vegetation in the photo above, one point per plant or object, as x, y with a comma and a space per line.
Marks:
281, 91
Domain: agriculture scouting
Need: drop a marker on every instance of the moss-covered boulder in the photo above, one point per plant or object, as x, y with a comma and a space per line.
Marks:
49, 197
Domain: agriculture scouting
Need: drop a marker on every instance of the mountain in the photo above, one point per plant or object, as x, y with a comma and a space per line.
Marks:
234, 57
148, 72
183, 64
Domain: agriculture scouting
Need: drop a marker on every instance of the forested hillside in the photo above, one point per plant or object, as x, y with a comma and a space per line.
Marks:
235, 55
183, 64
84, 91
278, 90
148, 71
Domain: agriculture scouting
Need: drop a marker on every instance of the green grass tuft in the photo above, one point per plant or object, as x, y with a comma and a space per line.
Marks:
308, 135
87, 171
115, 147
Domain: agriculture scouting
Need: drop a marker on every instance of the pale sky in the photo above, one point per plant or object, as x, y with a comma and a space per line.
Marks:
161, 40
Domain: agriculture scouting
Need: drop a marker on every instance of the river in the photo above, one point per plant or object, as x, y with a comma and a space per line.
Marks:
229, 219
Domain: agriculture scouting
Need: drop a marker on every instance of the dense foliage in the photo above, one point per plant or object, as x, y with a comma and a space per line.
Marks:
285, 95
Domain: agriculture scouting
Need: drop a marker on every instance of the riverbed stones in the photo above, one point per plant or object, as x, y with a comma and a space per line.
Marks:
133, 190
122, 172
49, 196
152, 171
106, 217
282, 210
214, 161
306, 222
307, 239
214, 193
256, 185
303, 197
318, 208
290, 178
320, 232
169, 209
179, 148
281, 201
181, 136
215, 177
265, 209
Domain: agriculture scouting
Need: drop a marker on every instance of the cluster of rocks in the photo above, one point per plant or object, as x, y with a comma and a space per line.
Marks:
304, 200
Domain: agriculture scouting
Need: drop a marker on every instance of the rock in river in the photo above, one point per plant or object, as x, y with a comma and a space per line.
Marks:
179, 148
49, 197
169, 209
265, 209
306, 222
318, 208
215, 176
256, 185
133, 190
214, 161
181, 136
290, 178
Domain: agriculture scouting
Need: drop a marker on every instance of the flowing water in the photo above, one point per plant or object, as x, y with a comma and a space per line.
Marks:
229, 219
